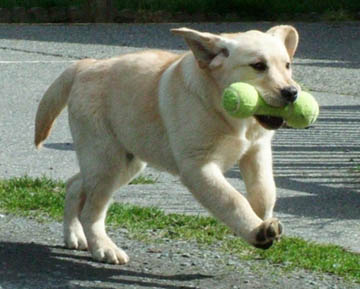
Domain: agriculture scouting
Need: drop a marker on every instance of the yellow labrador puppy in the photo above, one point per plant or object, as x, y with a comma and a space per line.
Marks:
165, 109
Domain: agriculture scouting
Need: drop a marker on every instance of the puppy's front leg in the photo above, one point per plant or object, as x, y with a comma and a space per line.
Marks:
256, 170
209, 186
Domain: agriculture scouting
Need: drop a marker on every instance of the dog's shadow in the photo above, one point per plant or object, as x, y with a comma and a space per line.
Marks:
62, 146
41, 266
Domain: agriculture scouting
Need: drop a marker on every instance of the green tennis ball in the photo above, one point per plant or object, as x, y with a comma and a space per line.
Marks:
242, 100
303, 112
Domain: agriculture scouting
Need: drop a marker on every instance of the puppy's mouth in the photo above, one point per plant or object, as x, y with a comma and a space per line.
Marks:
269, 122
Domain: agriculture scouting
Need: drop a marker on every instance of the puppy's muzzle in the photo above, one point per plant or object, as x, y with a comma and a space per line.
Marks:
289, 93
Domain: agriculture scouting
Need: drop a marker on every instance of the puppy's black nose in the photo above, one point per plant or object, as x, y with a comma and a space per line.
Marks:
289, 93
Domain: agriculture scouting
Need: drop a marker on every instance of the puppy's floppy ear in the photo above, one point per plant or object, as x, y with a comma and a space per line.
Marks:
288, 35
208, 49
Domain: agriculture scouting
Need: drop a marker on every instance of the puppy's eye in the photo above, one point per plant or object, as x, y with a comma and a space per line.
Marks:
287, 65
259, 66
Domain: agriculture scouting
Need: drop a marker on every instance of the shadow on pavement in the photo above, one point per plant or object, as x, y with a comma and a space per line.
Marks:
338, 200
60, 146
39, 266
320, 167
330, 64
327, 202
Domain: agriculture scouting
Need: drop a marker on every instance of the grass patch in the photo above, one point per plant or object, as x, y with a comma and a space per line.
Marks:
32, 197
41, 196
143, 180
357, 169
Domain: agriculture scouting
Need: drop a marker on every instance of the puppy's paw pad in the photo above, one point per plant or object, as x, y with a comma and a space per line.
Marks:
268, 232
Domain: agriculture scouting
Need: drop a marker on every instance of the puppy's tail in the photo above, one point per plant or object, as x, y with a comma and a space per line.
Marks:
52, 103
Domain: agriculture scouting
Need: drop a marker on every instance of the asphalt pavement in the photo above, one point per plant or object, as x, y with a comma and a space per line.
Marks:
316, 169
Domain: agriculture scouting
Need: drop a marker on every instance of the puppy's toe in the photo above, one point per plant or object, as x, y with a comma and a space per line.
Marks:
111, 255
75, 241
104, 250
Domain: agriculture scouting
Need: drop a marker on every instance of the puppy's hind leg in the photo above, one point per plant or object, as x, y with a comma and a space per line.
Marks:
74, 236
105, 166
99, 186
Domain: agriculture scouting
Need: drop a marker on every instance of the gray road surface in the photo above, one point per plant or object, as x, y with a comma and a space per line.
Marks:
315, 169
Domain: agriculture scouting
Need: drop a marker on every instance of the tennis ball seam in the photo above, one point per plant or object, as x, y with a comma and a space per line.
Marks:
237, 99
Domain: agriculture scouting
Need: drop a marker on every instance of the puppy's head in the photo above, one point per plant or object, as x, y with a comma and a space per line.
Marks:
260, 59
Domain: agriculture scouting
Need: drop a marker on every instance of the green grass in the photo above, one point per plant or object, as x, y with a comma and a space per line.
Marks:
44, 197
245, 9
143, 180
30, 197
357, 168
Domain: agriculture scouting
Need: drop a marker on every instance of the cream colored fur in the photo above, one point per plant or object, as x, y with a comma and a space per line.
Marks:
164, 109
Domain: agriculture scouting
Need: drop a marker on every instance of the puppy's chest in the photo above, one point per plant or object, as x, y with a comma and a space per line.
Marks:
231, 148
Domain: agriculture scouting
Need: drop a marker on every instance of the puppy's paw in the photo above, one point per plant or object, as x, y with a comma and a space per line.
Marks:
104, 250
75, 239
268, 232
